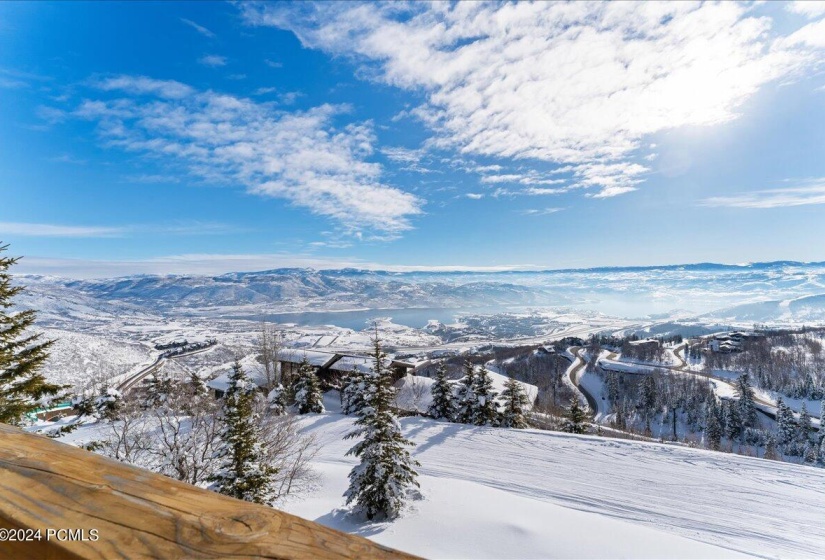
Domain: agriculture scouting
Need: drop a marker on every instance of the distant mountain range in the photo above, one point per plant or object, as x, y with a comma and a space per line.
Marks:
784, 290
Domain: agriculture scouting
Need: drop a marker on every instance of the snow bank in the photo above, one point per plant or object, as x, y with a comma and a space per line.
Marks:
499, 493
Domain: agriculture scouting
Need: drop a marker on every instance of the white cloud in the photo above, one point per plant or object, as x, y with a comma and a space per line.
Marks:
808, 8
608, 192
574, 83
541, 211
812, 35
67, 158
474, 196
150, 178
541, 191
400, 154
806, 193
273, 63
199, 28
25, 229
212, 60
12, 83
13, 79
141, 85
300, 156
507, 178
530, 178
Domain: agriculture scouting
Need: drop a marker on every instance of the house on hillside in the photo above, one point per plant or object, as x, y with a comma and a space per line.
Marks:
726, 343
330, 367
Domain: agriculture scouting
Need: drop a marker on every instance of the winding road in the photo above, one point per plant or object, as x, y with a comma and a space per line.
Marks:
136, 378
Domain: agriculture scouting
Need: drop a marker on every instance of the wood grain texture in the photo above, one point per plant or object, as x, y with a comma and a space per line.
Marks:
139, 514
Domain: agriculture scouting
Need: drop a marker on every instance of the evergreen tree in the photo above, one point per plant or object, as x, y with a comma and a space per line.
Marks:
733, 422
771, 452
515, 403
647, 400
159, 389
822, 449
242, 473
443, 405
22, 387
485, 408
747, 409
810, 453
613, 389
713, 427
277, 400
307, 390
785, 423
197, 386
466, 395
352, 393
379, 484
575, 423
805, 428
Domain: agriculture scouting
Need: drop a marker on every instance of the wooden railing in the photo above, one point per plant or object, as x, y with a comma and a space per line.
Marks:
108, 509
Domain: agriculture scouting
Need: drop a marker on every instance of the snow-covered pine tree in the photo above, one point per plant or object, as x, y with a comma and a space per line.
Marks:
648, 396
466, 398
22, 354
307, 390
108, 403
747, 409
485, 409
805, 429
733, 421
810, 453
352, 392
785, 423
822, 417
713, 427
379, 483
771, 451
197, 387
515, 403
443, 405
242, 473
159, 389
576, 420
277, 400
822, 450
613, 389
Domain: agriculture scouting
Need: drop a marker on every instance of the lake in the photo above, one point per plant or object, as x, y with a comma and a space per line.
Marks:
361, 319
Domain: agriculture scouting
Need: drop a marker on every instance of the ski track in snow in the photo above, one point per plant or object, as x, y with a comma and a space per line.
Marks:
753, 506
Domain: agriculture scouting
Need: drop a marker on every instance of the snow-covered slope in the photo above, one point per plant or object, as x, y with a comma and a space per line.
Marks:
498, 493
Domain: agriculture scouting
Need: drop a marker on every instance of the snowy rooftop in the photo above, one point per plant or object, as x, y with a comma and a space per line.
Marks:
314, 357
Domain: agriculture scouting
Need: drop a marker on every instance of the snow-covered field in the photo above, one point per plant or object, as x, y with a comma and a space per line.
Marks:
499, 493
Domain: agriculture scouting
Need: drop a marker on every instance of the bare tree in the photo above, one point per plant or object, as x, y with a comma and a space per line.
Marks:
180, 432
269, 345
413, 392
187, 435
289, 451
127, 437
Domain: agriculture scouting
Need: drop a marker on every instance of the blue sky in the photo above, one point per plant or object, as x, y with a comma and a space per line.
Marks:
211, 137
